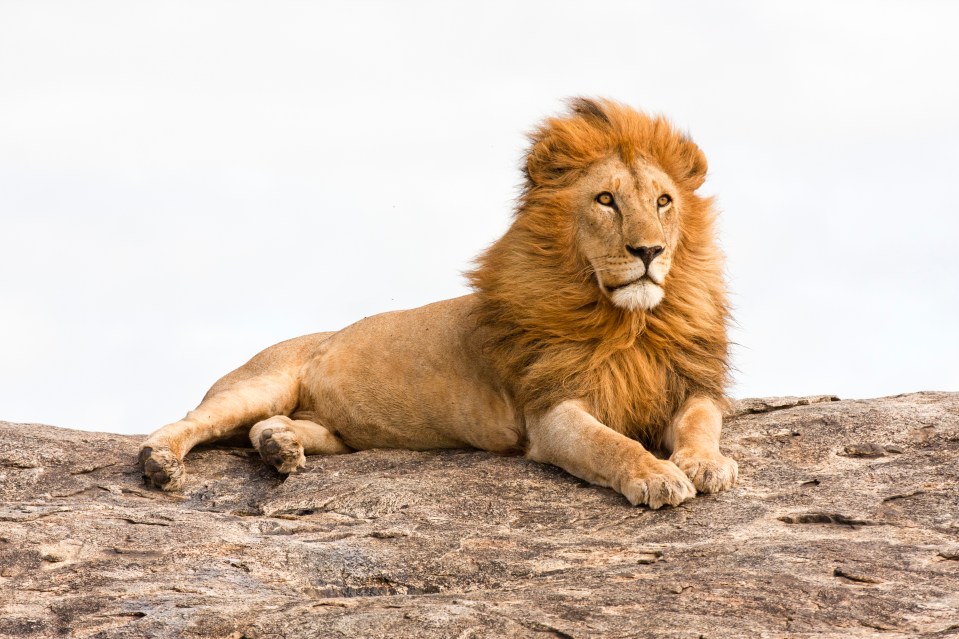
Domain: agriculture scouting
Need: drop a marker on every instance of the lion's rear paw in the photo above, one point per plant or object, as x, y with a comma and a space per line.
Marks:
662, 484
282, 450
710, 472
161, 468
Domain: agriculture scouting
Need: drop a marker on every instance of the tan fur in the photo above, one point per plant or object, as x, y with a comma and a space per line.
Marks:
575, 349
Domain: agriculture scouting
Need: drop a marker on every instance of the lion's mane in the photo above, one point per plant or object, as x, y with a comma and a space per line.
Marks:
548, 328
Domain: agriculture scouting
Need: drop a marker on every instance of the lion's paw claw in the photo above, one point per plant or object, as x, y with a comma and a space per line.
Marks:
662, 485
710, 472
161, 468
282, 450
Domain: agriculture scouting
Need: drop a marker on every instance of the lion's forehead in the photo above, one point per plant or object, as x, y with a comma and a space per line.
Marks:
649, 178
640, 178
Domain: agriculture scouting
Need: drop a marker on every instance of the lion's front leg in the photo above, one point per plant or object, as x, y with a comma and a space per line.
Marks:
569, 437
693, 439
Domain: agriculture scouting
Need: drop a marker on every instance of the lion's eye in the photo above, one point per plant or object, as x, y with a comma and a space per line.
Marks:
664, 200
605, 198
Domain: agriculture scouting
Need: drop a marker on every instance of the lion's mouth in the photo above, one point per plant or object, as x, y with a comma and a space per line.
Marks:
641, 278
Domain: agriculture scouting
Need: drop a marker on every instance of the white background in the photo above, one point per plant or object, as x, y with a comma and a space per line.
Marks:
185, 183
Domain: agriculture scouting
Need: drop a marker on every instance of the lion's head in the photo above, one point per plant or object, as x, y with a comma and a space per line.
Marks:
625, 180
608, 286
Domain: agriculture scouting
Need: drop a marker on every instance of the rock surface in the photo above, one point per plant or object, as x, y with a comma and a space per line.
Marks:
845, 523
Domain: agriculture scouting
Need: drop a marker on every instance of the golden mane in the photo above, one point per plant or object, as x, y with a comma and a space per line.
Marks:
551, 332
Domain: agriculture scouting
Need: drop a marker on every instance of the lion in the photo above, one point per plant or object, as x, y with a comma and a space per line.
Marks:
596, 336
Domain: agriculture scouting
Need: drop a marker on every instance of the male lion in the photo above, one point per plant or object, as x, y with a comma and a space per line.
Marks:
598, 322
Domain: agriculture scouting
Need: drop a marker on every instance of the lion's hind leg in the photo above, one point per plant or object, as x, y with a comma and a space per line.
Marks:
284, 443
227, 411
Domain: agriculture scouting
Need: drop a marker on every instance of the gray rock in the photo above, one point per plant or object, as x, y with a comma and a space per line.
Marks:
816, 540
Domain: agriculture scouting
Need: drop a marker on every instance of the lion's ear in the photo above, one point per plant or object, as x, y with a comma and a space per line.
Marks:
589, 110
693, 164
561, 144
542, 166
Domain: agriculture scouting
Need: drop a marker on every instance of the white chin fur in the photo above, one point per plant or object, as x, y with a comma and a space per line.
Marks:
638, 296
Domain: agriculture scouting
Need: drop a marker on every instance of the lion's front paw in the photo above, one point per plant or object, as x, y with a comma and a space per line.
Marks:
659, 484
281, 449
161, 468
710, 471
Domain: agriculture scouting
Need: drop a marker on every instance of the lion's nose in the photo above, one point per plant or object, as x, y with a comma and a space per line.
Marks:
646, 253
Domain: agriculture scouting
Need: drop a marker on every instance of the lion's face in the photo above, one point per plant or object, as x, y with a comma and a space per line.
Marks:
627, 226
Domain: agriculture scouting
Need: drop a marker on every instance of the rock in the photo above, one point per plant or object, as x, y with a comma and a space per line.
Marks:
813, 541
866, 449
770, 404
949, 552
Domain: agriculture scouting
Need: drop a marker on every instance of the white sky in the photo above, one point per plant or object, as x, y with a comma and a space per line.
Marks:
185, 183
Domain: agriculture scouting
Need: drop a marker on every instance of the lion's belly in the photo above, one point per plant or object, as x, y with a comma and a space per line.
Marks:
410, 379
